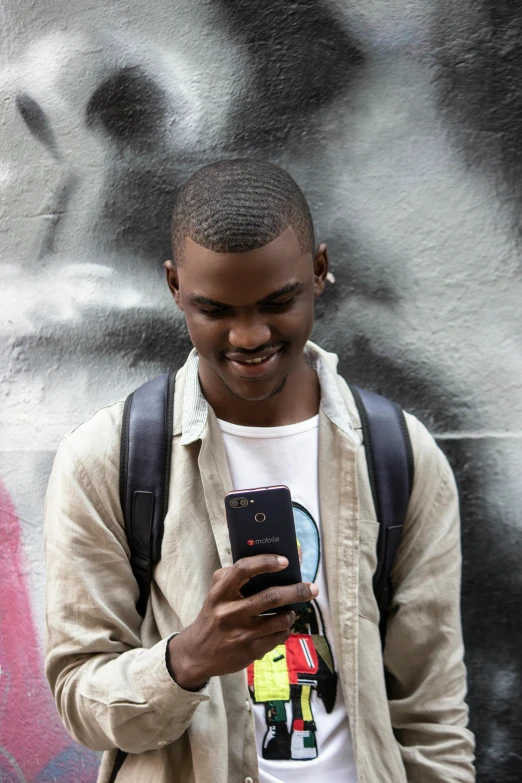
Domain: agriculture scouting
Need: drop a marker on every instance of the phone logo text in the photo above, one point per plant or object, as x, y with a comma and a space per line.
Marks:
272, 540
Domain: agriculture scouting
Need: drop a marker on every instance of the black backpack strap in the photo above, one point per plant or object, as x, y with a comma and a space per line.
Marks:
389, 457
146, 442
118, 764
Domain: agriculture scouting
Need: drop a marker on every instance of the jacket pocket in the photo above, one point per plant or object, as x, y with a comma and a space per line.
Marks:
368, 534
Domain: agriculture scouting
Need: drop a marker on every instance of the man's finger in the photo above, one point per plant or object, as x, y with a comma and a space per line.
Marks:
218, 575
282, 621
274, 597
244, 569
262, 646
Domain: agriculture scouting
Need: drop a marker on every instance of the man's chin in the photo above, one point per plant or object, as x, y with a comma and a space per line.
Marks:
249, 393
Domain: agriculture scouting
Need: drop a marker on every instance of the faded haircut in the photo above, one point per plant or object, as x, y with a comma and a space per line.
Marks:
233, 206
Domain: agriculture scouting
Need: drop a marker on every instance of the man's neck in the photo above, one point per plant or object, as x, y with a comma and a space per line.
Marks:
298, 400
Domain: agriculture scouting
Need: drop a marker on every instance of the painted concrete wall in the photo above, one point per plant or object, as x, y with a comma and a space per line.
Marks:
401, 120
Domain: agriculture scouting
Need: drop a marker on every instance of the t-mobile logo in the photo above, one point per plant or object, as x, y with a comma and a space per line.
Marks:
272, 540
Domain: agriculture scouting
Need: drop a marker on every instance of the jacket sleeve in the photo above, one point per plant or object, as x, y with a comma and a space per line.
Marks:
424, 650
110, 691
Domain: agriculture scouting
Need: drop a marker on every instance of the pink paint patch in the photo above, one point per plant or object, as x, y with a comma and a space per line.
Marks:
31, 733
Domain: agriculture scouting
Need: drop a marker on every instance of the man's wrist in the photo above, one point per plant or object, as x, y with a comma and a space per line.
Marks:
186, 677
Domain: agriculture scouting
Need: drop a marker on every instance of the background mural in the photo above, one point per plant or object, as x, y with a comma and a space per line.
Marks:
401, 121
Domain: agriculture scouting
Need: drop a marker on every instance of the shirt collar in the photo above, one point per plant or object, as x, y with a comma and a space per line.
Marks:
195, 406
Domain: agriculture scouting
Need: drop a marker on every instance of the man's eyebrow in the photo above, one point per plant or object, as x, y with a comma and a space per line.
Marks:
289, 288
204, 300
286, 289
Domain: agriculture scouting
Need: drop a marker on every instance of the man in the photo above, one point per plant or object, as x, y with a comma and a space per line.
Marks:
205, 689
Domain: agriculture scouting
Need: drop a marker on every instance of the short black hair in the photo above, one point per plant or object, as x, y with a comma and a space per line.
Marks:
233, 206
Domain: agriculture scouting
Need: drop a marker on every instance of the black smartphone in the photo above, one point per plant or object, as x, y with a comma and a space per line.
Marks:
261, 521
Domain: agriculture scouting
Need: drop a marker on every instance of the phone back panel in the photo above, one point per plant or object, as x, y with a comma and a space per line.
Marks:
261, 521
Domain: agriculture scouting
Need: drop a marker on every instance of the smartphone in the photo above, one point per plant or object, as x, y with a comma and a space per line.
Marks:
261, 521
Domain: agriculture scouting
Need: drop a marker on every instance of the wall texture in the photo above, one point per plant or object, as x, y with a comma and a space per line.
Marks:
401, 121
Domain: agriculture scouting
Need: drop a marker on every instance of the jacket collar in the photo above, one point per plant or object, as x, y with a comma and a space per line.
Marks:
195, 407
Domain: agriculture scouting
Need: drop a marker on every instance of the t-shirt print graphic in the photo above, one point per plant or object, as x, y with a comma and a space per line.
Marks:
286, 677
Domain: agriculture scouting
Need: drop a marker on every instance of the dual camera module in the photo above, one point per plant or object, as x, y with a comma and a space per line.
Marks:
239, 503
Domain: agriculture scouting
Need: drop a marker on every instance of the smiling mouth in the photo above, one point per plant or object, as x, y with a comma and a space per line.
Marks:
259, 359
255, 367
254, 361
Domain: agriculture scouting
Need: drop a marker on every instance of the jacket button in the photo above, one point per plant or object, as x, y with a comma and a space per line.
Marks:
249, 780
248, 705
162, 742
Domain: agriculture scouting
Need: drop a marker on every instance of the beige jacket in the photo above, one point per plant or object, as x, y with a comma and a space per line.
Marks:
107, 669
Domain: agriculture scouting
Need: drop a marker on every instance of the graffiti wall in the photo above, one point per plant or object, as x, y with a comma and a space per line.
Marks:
401, 121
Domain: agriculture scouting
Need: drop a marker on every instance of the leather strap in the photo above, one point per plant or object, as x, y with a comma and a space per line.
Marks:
118, 764
146, 442
389, 457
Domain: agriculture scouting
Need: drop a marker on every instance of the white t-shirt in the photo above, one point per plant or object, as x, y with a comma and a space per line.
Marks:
302, 727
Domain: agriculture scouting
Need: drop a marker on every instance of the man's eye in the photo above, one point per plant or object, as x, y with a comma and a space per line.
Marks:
280, 305
214, 312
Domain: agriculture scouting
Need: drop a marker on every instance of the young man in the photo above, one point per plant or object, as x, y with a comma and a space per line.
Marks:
205, 689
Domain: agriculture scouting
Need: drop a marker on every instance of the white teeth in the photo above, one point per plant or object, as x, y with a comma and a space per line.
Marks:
254, 361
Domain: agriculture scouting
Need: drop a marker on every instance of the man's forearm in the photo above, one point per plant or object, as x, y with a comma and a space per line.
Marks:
127, 701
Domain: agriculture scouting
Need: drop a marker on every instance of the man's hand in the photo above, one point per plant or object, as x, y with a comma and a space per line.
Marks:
228, 633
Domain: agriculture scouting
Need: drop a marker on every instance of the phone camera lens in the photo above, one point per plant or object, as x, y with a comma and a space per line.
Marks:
239, 502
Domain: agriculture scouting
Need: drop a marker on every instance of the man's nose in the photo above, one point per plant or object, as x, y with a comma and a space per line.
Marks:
249, 332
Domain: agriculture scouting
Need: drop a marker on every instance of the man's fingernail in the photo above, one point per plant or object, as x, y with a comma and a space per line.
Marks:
283, 561
314, 589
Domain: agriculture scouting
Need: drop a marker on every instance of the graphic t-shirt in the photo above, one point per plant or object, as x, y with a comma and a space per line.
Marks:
302, 727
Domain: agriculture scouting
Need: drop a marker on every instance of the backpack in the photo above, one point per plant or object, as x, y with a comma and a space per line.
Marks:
146, 441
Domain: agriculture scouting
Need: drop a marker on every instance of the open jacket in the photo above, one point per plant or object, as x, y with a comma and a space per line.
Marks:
107, 668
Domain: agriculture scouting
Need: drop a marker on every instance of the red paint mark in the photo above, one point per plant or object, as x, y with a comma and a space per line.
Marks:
30, 729
301, 656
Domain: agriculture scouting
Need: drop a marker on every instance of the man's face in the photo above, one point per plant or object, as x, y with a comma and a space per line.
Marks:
249, 314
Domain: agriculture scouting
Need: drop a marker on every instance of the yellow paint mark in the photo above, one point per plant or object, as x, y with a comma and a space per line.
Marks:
305, 702
271, 679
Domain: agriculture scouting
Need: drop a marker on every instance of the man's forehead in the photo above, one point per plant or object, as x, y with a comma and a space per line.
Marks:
284, 246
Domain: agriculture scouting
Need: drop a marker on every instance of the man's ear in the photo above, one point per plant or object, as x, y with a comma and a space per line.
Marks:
320, 268
171, 272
